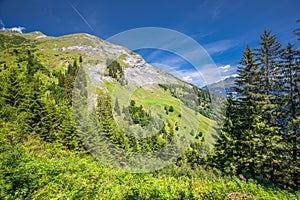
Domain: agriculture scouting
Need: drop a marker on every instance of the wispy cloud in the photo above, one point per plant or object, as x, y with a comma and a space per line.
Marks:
174, 62
217, 9
80, 15
199, 77
202, 34
220, 46
186, 57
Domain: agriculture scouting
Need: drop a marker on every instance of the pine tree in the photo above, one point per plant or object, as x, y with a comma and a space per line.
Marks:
225, 156
290, 109
247, 109
260, 135
267, 56
236, 147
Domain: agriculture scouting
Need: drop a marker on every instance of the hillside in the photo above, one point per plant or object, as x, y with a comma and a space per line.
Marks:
81, 118
162, 104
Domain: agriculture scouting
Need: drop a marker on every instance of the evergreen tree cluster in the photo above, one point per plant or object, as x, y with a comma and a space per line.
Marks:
114, 69
193, 97
260, 135
138, 114
139, 142
33, 104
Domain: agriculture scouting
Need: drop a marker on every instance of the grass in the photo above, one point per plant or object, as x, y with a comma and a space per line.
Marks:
34, 169
155, 99
48, 171
48, 48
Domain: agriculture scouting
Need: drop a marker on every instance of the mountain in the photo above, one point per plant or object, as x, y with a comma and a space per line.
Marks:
218, 88
131, 97
64, 99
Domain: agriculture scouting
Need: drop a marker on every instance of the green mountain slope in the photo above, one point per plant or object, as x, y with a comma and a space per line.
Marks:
121, 75
65, 98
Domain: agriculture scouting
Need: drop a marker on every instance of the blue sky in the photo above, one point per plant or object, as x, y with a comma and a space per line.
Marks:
222, 27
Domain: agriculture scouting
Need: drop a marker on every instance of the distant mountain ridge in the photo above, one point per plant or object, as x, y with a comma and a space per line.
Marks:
228, 84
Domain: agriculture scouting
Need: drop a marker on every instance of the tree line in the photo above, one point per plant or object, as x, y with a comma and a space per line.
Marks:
36, 101
260, 135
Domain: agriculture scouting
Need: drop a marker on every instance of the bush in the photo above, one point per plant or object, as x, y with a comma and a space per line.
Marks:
38, 170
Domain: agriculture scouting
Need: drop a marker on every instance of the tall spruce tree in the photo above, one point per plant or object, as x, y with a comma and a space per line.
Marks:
290, 111
225, 156
247, 94
236, 149
267, 56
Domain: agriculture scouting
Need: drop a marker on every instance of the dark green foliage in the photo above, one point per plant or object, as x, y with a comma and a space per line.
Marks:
110, 129
27, 103
135, 143
193, 97
13, 41
138, 114
18, 180
46, 171
115, 70
171, 109
42, 157
260, 134
132, 103
66, 82
266, 56
290, 111
226, 156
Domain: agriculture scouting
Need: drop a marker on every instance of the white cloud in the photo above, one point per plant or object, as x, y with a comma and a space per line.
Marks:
18, 29
187, 78
225, 68
233, 75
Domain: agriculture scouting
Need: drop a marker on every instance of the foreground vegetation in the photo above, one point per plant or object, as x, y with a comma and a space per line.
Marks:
42, 156
41, 170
